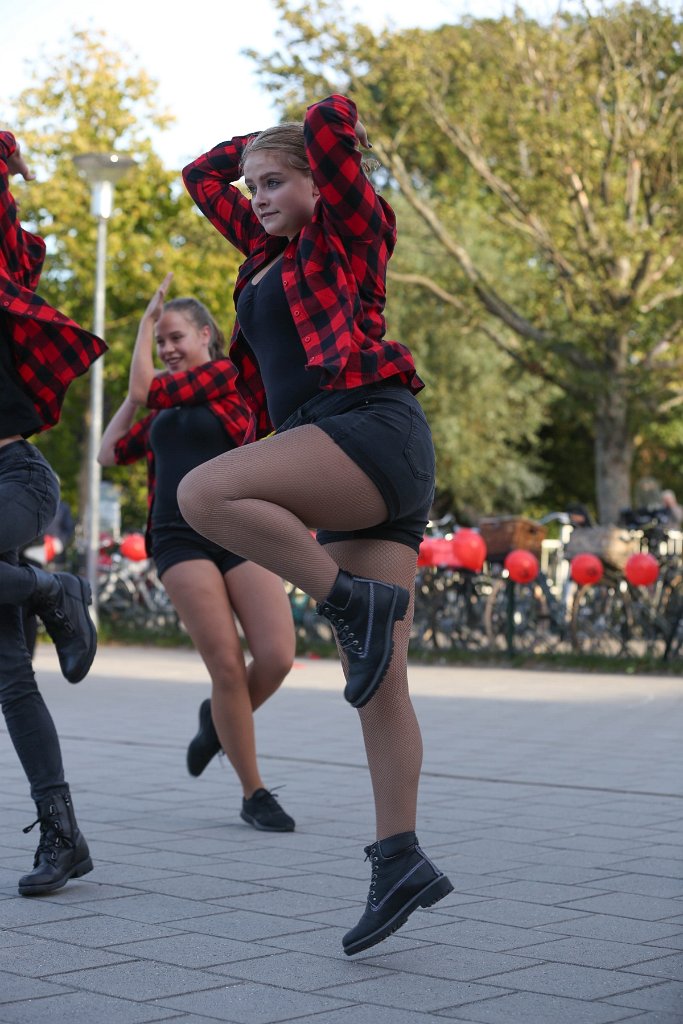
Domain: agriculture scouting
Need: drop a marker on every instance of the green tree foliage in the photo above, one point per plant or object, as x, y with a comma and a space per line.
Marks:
544, 160
90, 99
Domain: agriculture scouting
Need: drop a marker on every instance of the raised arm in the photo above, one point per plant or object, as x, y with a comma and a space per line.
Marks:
332, 133
21, 253
142, 370
118, 427
210, 180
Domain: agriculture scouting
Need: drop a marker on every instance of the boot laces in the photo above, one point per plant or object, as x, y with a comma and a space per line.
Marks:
62, 620
52, 836
374, 864
348, 641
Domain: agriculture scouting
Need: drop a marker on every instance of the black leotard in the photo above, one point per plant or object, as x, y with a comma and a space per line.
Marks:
269, 330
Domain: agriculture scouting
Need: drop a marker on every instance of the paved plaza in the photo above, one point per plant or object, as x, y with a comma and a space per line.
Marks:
554, 801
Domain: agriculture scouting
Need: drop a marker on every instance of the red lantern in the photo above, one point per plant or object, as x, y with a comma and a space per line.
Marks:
641, 570
469, 548
133, 547
522, 566
587, 568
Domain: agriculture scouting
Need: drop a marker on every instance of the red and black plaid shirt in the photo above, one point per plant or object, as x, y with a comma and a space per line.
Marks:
212, 384
344, 250
49, 349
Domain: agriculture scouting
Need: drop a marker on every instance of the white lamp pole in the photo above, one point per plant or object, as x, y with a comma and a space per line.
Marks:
102, 171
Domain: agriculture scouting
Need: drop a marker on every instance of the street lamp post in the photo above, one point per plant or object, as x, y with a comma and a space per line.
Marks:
102, 171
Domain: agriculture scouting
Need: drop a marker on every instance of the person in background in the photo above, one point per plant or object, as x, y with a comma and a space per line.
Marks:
339, 443
672, 510
196, 414
41, 352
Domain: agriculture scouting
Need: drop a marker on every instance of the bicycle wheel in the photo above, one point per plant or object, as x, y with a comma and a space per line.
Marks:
517, 617
458, 612
600, 620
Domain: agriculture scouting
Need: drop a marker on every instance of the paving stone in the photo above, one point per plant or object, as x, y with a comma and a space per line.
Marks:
195, 950
253, 1004
593, 953
571, 980
644, 908
523, 1007
81, 1008
15, 987
42, 959
666, 996
99, 930
141, 980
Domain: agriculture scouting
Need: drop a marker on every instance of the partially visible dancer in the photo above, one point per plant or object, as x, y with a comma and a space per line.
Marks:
41, 352
351, 454
197, 413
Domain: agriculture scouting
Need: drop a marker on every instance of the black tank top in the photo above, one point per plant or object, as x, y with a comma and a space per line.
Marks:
267, 325
181, 438
17, 412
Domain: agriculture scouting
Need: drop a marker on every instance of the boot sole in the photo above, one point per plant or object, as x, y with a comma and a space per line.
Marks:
434, 892
78, 871
398, 612
197, 764
86, 597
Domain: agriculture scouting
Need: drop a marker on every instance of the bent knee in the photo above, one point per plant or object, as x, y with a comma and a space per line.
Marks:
196, 496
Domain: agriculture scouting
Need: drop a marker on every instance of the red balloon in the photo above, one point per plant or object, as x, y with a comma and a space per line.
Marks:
641, 570
133, 546
587, 568
522, 566
469, 547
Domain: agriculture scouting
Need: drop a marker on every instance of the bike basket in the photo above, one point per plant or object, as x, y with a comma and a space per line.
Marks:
504, 534
610, 543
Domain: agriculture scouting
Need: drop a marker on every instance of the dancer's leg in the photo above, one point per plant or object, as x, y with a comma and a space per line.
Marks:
263, 609
199, 595
393, 742
260, 501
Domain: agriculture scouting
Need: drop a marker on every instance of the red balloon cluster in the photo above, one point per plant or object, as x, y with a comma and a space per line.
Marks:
641, 570
465, 550
133, 547
470, 548
522, 566
587, 568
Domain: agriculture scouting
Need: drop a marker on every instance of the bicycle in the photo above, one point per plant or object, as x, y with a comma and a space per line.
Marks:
449, 597
532, 617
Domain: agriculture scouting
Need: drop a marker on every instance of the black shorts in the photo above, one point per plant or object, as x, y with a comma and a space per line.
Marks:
177, 542
383, 429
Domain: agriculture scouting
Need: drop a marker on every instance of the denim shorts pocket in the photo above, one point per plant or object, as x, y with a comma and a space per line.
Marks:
419, 448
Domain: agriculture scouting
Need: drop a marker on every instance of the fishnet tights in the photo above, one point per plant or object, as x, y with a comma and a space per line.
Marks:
261, 502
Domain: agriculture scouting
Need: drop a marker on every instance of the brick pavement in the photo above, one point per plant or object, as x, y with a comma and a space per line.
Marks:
553, 800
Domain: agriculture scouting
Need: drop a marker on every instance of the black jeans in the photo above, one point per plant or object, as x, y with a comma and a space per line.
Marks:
29, 492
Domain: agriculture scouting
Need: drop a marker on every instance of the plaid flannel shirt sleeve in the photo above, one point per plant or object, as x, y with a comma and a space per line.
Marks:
133, 445
210, 181
21, 253
348, 196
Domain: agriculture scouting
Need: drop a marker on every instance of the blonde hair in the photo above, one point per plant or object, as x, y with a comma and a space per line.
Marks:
287, 139
198, 314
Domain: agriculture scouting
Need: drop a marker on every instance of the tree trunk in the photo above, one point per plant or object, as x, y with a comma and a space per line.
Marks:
613, 455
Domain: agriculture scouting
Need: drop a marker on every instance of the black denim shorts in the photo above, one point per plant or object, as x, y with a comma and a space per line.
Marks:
383, 429
177, 542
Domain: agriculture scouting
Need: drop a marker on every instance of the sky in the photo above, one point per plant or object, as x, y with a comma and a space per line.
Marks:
203, 79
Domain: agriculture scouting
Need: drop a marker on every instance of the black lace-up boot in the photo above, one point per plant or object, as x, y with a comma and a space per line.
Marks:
61, 600
62, 851
205, 744
403, 879
363, 613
